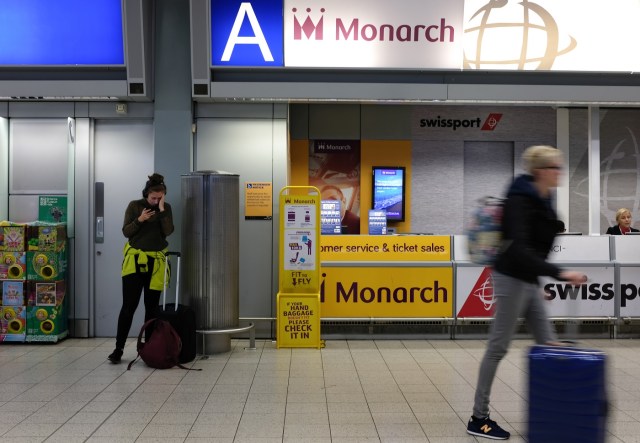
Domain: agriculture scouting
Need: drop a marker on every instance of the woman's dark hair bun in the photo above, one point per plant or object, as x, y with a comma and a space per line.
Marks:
156, 178
154, 184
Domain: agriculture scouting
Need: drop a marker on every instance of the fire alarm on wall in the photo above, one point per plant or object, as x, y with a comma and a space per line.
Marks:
121, 108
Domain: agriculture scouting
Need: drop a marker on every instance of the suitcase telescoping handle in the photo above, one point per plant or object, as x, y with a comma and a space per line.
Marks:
166, 271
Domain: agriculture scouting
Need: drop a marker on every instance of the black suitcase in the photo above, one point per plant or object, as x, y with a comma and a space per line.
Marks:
181, 317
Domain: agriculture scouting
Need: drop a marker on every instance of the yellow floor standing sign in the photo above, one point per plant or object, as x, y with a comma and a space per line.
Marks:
298, 300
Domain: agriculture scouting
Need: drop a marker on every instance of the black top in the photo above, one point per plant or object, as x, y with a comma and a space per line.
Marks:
529, 225
615, 230
152, 234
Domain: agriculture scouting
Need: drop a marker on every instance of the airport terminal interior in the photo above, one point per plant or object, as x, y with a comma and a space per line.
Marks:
350, 391
450, 125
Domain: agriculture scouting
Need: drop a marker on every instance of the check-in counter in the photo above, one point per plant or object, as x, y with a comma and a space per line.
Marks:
592, 256
588, 254
626, 254
386, 277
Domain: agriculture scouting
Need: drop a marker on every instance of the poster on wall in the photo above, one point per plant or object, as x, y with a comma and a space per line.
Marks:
52, 209
258, 201
330, 217
377, 222
334, 168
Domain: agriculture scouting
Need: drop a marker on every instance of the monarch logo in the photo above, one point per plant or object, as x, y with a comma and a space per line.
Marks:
489, 124
353, 29
307, 27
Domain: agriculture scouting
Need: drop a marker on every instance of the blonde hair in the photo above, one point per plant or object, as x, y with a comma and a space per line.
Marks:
620, 212
540, 156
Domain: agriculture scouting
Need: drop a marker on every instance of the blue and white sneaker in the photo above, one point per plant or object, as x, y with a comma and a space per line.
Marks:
487, 428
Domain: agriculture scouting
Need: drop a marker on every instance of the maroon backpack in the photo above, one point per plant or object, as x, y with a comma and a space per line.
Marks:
162, 350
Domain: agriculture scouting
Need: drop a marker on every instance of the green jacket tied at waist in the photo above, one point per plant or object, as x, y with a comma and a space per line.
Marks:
137, 259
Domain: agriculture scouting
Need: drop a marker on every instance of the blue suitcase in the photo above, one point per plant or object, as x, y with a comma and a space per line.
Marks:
567, 395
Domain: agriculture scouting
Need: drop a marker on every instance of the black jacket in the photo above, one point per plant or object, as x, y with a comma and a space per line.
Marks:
615, 230
529, 225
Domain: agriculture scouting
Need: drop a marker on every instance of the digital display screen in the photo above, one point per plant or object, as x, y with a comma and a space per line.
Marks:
389, 191
61, 32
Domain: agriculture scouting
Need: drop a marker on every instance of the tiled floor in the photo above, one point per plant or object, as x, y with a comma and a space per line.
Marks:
350, 391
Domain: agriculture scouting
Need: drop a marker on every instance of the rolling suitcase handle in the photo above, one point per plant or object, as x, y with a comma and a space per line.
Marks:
164, 280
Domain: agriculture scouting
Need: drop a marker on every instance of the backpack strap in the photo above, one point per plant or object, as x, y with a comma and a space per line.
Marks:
139, 344
187, 369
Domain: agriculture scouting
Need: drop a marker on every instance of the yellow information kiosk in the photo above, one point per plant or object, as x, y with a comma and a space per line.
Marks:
298, 300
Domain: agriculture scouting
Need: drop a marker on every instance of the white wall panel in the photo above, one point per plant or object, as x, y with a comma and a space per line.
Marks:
38, 156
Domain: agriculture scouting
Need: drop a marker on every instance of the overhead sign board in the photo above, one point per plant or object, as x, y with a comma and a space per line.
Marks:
426, 34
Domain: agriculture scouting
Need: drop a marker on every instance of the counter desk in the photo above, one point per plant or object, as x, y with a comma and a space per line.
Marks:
593, 302
429, 277
625, 250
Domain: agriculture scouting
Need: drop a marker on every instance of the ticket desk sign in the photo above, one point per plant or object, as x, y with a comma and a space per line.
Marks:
386, 276
298, 299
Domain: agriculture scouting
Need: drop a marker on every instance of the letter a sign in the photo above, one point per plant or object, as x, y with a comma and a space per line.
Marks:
246, 33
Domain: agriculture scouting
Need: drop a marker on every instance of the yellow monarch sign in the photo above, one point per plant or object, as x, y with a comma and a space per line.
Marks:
386, 291
298, 299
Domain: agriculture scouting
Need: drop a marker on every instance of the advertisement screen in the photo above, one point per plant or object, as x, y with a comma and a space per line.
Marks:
389, 191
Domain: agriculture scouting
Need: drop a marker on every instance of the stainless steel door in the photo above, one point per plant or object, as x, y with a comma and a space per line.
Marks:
123, 160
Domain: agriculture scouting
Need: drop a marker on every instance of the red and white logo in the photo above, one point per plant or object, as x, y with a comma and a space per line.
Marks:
308, 27
480, 301
491, 122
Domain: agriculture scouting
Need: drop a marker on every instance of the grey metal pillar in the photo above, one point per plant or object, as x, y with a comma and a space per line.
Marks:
210, 251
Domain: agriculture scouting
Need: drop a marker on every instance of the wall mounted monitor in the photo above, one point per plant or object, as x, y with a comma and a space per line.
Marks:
389, 190
76, 49
68, 33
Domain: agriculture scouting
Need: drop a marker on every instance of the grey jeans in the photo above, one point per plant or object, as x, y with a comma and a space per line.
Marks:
514, 299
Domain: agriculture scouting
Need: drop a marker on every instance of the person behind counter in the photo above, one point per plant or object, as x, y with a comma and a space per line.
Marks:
147, 224
529, 226
623, 226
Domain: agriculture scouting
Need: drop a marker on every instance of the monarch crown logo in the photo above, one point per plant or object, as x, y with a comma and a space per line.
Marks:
308, 27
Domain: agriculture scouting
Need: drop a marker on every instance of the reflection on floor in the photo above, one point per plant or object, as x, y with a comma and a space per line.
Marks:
350, 391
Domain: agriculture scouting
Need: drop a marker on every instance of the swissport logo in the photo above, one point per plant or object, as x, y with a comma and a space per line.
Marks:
489, 124
480, 301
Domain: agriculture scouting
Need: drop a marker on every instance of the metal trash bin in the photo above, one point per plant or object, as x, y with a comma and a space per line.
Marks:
210, 254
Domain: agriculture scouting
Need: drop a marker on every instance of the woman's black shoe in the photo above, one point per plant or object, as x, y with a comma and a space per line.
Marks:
115, 356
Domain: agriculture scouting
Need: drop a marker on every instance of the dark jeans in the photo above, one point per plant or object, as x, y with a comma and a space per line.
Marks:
132, 287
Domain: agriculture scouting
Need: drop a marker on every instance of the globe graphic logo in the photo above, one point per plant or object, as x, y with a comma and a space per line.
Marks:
620, 178
485, 293
493, 40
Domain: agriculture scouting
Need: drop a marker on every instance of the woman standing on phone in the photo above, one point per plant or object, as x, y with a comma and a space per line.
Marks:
147, 224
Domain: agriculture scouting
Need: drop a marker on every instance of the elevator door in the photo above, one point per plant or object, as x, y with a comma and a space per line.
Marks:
123, 160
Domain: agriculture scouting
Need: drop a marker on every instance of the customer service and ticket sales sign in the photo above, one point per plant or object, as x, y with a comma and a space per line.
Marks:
385, 248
